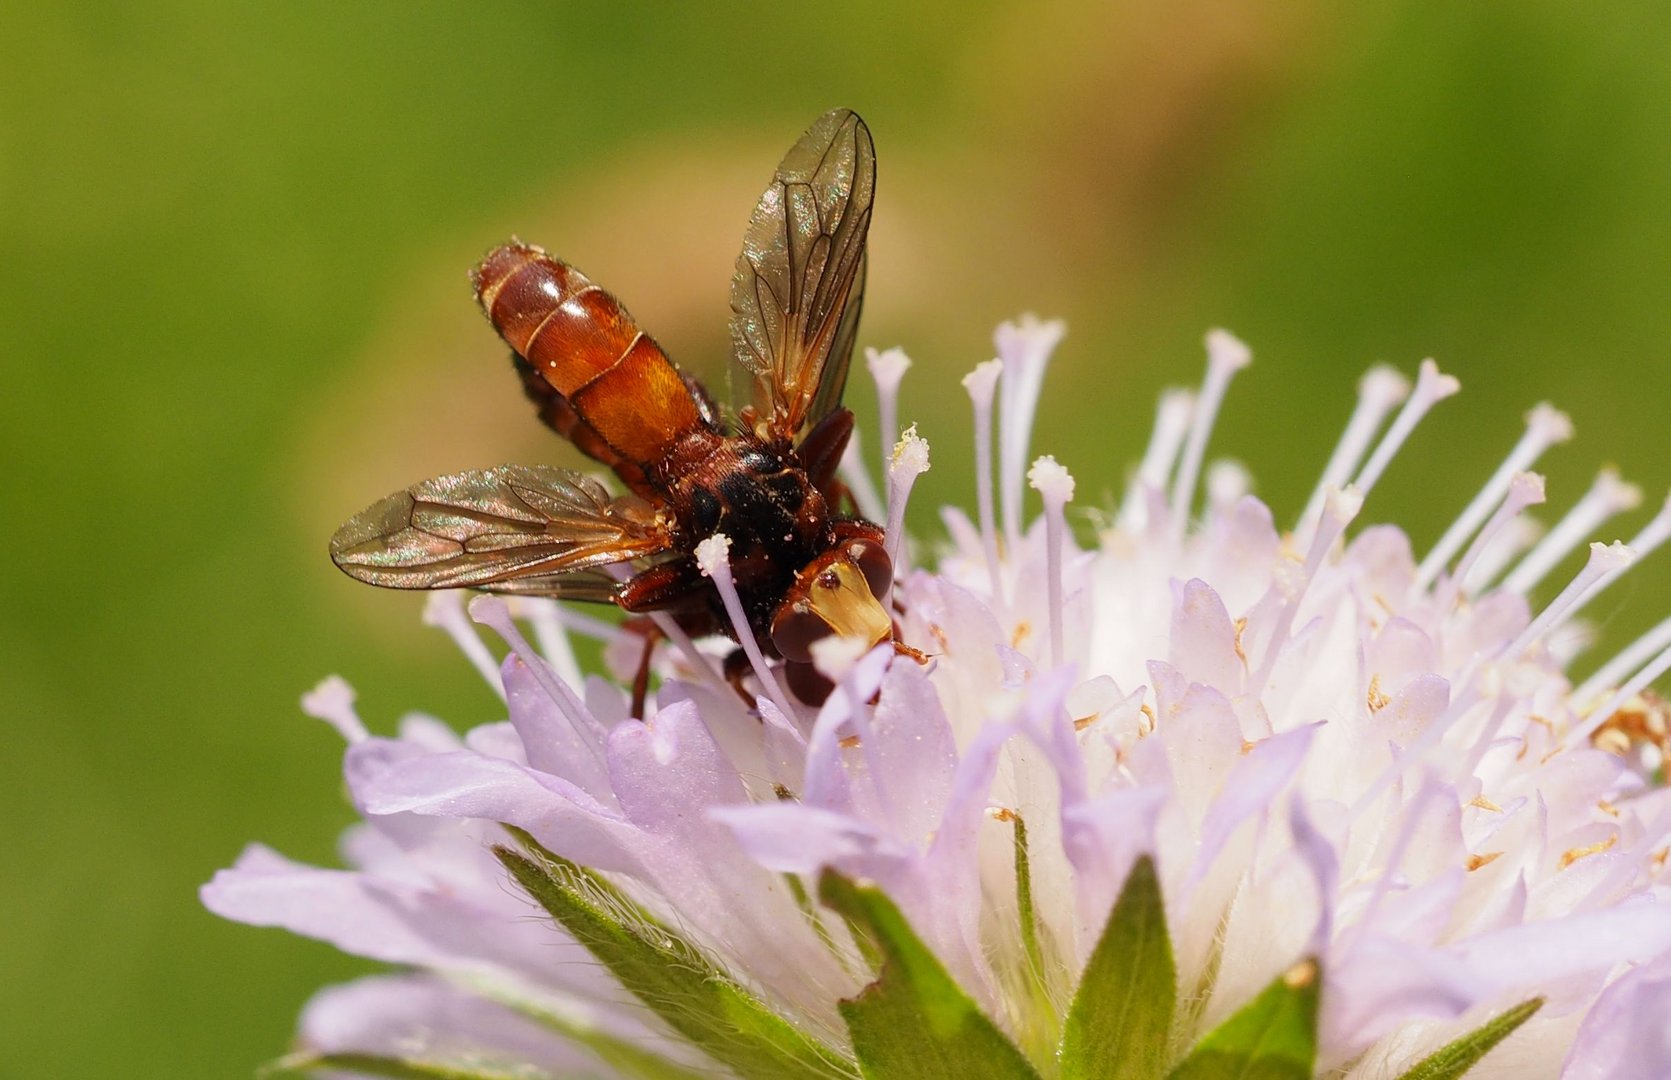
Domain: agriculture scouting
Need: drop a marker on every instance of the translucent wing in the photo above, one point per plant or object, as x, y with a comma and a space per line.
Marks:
493, 528
796, 292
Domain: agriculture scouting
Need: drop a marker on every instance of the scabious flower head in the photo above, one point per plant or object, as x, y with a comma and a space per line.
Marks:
1210, 794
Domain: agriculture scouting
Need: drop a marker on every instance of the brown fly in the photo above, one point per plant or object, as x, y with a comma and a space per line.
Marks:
765, 476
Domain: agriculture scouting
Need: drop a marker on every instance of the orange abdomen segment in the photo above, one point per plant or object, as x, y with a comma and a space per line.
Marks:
583, 342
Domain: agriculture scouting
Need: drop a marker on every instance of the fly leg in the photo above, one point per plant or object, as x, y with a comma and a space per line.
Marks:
641, 679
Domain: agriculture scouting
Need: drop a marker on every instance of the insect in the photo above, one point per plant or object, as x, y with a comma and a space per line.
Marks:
764, 476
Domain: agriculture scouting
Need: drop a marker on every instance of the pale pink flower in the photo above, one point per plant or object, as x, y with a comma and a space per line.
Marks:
1334, 752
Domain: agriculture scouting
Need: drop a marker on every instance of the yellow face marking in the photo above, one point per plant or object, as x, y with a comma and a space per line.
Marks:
842, 598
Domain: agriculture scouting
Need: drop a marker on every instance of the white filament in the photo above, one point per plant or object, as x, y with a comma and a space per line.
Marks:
1633, 656
445, 609
1525, 489
1025, 347
541, 614
1607, 496
1225, 356
333, 702
1166, 438
713, 558
1545, 426
981, 383
1379, 392
1432, 387
858, 481
908, 461
887, 369
1055, 485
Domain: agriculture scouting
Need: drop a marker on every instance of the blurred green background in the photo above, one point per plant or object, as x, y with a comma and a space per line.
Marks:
233, 241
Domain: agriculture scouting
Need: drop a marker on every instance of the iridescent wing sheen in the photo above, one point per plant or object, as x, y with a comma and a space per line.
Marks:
796, 293
516, 528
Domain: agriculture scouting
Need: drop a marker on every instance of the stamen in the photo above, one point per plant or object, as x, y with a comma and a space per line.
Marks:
1644, 543
1517, 535
1638, 683
1227, 482
445, 609
1526, 489
1545, 427
696, 658
1225, 356
980, 384
1340, 508
541, 614
333, 702
1025, 348
1432, 387
1607, 496
887, 369
713, 558
1379, 392
910, 460
493, 613
1632, 657
858, 481
1055, 484
1606, 562
1165, 440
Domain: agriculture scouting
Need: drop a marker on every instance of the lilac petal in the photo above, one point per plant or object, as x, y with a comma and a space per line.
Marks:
669, 774
1400, 652
1570, 950
1103, 837
465, 785
794, 839
426, 1018
915, 751
1319, 857
551, 741
666, 770
1626, 1035
1253, 782
1203, 639
1202, 736
1385, 983
827, 783
496, 740
393, 922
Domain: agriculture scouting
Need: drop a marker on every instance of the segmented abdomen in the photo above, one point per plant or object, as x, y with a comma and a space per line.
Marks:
582, 341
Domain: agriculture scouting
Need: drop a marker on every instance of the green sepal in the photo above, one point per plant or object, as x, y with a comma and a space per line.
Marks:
1272, 1037
914, 1022
1118, 1023
389, 1067
673, 977
1458, 1056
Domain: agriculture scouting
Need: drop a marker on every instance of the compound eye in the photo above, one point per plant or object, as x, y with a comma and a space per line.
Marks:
873, 562
794, 630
